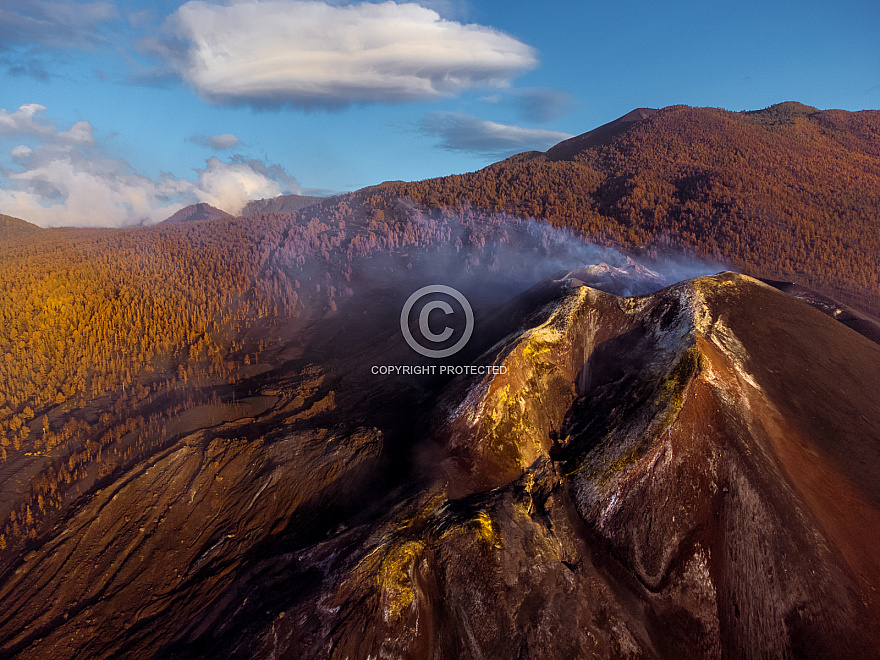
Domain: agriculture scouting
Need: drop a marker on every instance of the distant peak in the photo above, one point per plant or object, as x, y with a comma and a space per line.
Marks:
570, 148
196, 213
637, 115
780, 113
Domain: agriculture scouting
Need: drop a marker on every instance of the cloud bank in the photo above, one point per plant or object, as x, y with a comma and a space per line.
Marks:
68, 179
276, 53
462, 132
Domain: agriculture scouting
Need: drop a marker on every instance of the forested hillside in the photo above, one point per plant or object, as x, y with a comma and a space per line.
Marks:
789, 191
196, 213
15, 228
107, 335
280, 204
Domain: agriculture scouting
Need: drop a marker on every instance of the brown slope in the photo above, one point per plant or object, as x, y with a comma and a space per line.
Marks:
738, 487
15, 228
767, 479
865, 325
196, 213
570, 148
787, 192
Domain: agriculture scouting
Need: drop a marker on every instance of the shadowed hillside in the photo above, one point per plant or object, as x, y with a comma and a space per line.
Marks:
107, 336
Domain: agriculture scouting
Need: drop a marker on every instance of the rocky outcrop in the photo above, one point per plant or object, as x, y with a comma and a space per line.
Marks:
651, 478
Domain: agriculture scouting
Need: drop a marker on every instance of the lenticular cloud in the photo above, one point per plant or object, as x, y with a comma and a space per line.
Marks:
313, 54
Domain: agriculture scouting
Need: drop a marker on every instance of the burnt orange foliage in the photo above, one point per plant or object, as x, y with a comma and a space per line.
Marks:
789, 191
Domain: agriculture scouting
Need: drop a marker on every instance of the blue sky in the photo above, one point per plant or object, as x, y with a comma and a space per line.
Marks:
121, 113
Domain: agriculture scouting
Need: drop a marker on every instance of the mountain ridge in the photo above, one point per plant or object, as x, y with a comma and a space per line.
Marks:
567, 149
787, 193
280, 204
784, 193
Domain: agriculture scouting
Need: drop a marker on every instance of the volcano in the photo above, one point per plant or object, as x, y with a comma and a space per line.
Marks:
691, 473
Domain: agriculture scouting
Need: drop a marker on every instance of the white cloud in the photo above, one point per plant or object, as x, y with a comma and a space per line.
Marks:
29, 119
229, 186
491, 99
80, 133
69, 180
314, 54
463, 132
224, 141
58, 188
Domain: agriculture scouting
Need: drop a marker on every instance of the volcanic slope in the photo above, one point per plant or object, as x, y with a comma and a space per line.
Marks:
687, 474
789, 192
